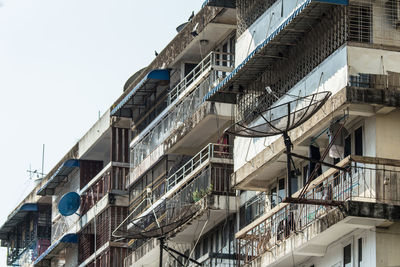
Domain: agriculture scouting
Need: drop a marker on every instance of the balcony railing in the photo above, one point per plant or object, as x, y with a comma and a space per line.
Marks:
187, 107
211, 180
223, 62
112, 177
365, 179
207, 153
217, 177
27, 255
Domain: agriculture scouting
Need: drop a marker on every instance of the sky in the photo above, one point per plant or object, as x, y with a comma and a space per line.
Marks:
62, 62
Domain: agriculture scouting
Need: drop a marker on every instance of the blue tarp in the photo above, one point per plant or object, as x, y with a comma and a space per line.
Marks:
62, 173
57, 246
153, 78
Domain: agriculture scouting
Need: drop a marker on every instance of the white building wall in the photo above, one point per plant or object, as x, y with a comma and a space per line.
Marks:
331, 75
372, 61
334, 253
263, 27
62, 224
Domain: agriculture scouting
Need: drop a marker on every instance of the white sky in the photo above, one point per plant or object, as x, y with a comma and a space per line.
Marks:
61, 62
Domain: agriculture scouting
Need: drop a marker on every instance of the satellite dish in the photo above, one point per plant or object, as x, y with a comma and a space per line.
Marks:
69, 204
158, 223
278, 119
264, 120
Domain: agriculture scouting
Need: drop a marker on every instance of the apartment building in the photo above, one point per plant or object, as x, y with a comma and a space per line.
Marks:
164, 179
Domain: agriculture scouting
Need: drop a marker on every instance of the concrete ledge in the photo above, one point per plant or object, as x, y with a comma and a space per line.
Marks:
373, 210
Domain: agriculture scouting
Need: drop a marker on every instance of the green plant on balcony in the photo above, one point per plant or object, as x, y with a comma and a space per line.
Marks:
199, 194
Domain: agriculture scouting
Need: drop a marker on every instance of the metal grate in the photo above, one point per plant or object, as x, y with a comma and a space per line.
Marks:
248, 11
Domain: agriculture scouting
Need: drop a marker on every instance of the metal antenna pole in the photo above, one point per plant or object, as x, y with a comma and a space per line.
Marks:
43, 161
288, 144
161, 251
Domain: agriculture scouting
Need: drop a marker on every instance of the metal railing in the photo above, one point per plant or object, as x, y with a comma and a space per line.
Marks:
27, 255
182, 110
113, 178
210, 151
223, 62
162, 185
365, 179
205, 183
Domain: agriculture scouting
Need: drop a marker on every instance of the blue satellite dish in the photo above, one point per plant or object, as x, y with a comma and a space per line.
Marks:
69, 204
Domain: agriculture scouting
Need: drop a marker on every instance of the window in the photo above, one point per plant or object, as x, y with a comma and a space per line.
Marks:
360, 254
294, 185
358, 142
281, 188
347, 256
274, 197
347, 146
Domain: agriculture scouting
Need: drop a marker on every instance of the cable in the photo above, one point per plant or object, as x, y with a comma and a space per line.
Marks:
198, 239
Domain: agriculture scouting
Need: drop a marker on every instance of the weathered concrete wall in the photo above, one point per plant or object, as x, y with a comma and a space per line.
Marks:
372, 61
387, 135
94, 134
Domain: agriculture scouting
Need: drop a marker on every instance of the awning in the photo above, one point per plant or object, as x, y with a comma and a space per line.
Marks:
56, 247
138, 94
270, 50
61, 174
16, 217
220, 3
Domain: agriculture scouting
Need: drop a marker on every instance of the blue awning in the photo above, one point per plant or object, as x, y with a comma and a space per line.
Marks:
270, 50
15, 217
55, 248
141, 91
220, 3
62, 173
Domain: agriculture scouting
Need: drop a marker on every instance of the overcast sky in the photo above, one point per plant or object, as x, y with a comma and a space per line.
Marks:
61, 63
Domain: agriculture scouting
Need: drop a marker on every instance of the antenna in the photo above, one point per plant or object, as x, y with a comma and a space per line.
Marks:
43, 161
39, 175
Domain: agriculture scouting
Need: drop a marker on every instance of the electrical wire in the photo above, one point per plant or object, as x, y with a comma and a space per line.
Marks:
198, 239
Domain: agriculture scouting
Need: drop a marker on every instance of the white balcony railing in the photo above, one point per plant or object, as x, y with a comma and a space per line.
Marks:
218, 61
183, 104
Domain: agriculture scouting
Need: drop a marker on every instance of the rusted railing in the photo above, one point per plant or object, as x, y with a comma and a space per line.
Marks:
365, 179
111, 178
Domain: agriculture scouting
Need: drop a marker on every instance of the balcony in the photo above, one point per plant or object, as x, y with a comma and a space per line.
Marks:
165, 188
110, 180
213, 198
209, 192
185, 99
367, 192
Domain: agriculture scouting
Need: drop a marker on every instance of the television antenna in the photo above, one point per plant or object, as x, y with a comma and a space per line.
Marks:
39, 174
265, 120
